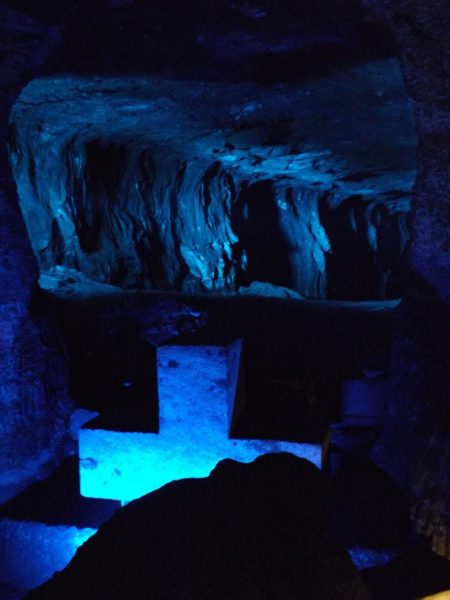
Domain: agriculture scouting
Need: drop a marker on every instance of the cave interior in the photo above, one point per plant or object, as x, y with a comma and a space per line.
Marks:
224, 236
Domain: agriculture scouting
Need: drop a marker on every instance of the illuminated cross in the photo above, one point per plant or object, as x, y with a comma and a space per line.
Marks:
197, 388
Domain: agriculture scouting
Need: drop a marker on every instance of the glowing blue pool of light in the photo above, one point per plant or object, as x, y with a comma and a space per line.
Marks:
197, 390
30, 553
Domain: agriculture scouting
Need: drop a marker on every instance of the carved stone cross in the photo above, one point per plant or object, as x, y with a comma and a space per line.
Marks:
197, 388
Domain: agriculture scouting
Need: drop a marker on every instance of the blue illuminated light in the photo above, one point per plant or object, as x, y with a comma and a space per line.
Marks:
368, 558
30, 553
196, 404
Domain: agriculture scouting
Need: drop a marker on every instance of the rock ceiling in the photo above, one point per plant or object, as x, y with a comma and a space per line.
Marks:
206, 186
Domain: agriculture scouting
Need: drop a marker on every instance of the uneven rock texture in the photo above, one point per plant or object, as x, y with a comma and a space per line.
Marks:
209, 187
421, 33
34, 401
418, 415
255, 531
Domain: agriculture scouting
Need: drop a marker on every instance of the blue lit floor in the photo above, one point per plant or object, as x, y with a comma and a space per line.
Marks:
197, 387
42, 527
30, 552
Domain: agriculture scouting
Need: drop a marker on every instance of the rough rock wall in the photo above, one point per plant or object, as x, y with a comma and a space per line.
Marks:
419, 409
33, 394
146, 183
155, 222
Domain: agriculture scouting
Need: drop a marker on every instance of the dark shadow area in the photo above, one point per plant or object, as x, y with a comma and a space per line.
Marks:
262, 525
306, 64
96, 191
369, 508
57, 501
195, 39
351, 268
296, 355
285, 399
416, 573
257, 226
114, 373
368, 239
